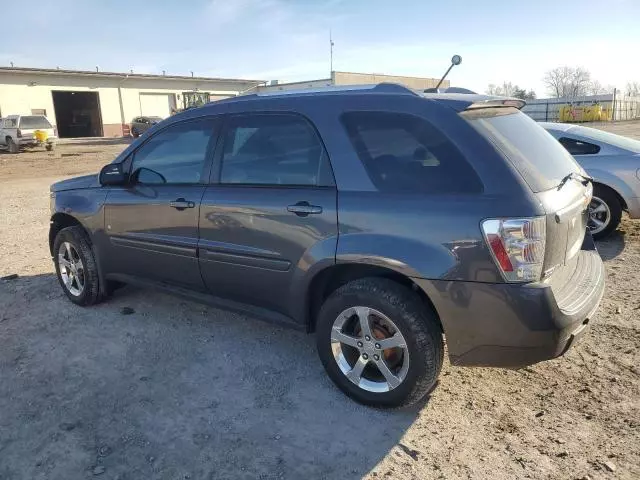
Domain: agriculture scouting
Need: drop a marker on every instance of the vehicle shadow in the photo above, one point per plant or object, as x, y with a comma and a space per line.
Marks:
171, 388
612, 246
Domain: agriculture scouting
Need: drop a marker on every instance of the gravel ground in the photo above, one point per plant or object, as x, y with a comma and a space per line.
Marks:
177, 390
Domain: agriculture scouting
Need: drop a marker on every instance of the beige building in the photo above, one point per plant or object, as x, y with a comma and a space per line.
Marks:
350, 78
96, 104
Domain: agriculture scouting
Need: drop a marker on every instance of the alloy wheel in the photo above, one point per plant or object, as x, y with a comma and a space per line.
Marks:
71, 269
599, 215
369, 349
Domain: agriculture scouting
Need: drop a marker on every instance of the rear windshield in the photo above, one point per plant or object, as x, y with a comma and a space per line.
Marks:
539, 158
35, 121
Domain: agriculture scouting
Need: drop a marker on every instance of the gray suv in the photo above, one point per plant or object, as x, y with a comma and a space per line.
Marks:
381, 219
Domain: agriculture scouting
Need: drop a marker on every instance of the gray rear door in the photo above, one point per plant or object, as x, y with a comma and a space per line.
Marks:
270, 208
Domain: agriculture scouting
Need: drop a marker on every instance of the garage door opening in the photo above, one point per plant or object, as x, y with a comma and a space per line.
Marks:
77, 114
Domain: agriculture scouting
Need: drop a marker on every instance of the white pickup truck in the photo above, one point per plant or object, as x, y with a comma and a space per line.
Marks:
18, 131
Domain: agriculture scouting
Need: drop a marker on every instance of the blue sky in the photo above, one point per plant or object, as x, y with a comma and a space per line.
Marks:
288, 40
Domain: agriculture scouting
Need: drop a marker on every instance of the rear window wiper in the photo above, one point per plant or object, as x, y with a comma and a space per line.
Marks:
583, 179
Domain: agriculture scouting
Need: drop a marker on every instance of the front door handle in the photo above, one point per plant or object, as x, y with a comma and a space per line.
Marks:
302, 209
181, 204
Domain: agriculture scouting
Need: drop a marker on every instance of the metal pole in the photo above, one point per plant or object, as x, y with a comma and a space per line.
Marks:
613, 107
546, 112
330, 53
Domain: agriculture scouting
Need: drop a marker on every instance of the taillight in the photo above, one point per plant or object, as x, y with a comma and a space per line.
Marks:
19, 133
517, 246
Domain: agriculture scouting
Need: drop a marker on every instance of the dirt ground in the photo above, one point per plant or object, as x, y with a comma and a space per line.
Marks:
177, 390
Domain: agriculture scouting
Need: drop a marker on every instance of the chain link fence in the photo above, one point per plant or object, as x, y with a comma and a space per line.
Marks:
595, 108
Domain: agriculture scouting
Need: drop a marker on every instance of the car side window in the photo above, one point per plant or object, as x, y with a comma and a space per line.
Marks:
176, 154
404, 153
579, 147
273, 149
10, 123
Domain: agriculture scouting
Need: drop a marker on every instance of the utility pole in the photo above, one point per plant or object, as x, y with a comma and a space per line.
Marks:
330, 53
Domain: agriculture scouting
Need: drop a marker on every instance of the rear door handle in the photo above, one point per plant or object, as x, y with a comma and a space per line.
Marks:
302, 209
181, 204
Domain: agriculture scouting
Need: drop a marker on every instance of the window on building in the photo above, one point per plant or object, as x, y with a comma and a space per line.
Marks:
276, 149
406, 154
579, 147
176, 154
194, 99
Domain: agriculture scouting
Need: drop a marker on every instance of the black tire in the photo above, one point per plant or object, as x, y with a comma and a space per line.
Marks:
134, 133
77, 237
49, 147
13, 146
609, 197
416, 322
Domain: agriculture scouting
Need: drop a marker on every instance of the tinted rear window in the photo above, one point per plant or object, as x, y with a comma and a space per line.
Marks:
406, 154
539, 158
34, 122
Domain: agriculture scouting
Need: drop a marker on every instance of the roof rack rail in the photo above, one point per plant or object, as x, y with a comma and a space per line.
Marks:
372, 88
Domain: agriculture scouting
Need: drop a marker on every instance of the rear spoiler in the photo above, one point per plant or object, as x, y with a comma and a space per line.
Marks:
498, 102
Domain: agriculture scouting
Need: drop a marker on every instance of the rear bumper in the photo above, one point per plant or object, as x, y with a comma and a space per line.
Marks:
507, 325
32, 141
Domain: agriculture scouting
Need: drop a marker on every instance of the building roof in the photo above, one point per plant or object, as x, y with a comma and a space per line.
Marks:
90, 73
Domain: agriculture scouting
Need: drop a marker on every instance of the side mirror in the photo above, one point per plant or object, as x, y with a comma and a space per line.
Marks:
113, 174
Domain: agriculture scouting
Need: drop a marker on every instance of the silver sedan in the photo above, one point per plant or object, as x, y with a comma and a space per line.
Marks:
614, 163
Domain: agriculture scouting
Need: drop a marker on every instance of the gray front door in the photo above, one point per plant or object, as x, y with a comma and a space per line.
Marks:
152, 224
272, 208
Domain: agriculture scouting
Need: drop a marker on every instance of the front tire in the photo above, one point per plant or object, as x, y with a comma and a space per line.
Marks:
12, 145
76, 266
605, 212
379, 343
49, 147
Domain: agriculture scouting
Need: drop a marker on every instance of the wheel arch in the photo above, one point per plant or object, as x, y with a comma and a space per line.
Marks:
329, 279
620, 198
60, 221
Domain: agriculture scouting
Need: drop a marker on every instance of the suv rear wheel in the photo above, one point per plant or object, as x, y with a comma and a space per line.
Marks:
379, 343
76, 267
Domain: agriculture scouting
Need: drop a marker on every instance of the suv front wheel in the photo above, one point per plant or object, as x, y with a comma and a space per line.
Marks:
379, 343
76, 267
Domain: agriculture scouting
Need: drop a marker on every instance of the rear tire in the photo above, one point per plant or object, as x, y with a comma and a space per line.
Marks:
13, 146
49, 147
418, 326
604, 199
80, 282
134, 133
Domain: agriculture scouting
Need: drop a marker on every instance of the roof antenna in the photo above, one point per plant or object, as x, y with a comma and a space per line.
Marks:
455, 60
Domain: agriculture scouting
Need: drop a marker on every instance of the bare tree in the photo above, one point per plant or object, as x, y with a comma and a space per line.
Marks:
507, 89
633, 89
596, 88
571, 82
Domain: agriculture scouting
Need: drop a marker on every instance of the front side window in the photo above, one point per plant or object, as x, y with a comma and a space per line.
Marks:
176, 154
406, 154
579, 147
272, 149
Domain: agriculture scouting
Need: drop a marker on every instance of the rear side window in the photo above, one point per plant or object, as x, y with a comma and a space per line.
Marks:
273, 149
406, 154
35, 121
578, 147
539, 158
